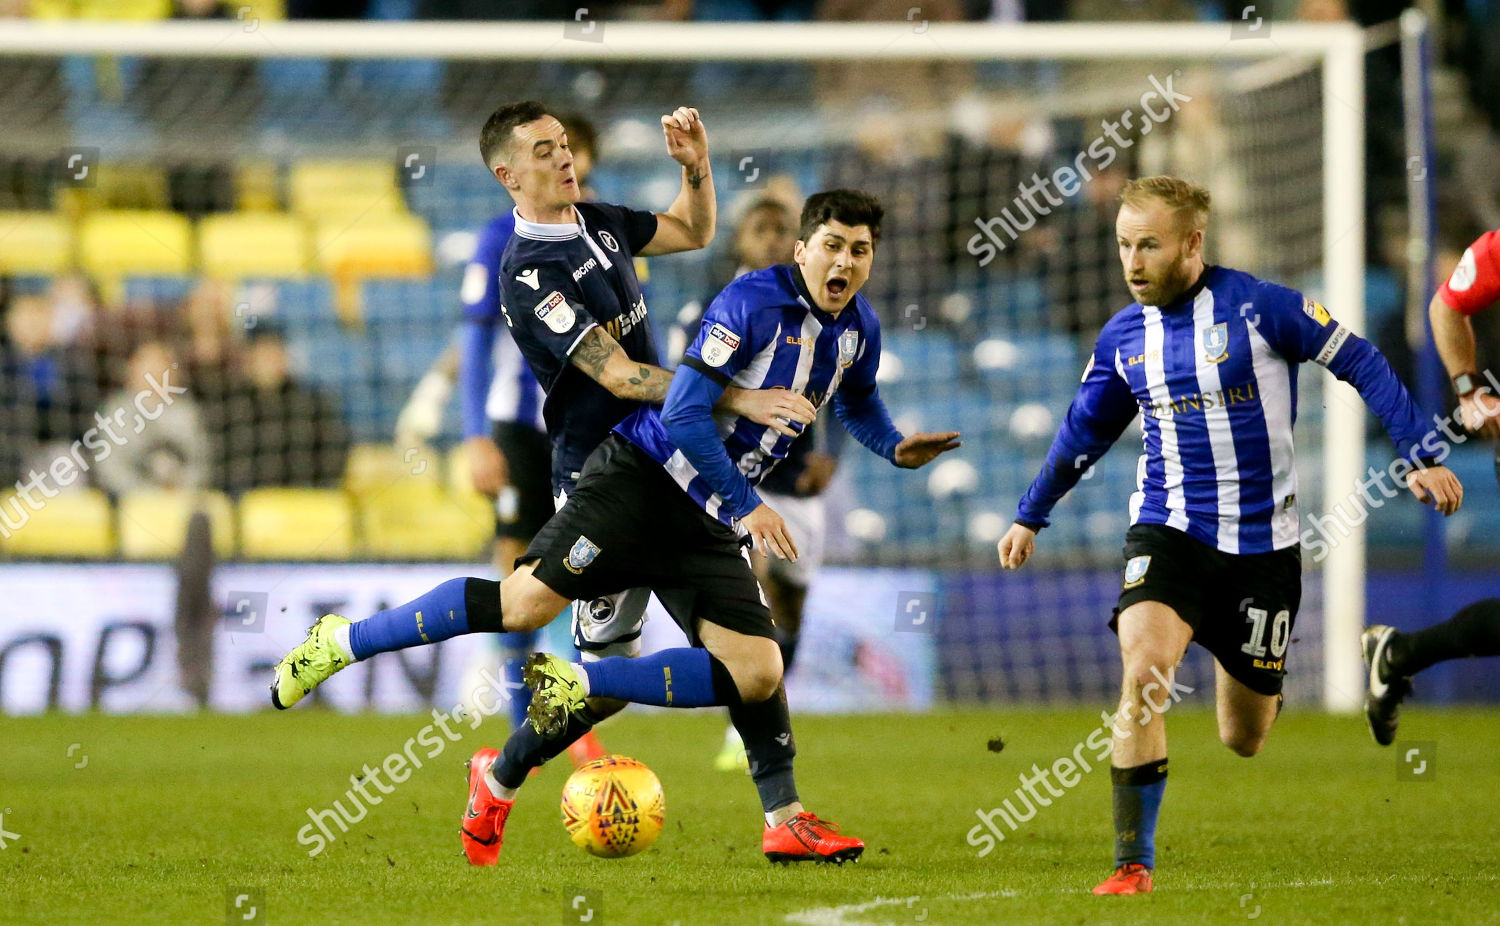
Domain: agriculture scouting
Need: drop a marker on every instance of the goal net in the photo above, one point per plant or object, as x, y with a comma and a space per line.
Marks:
209, 189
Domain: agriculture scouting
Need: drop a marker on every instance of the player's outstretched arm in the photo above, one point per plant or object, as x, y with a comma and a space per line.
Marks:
689, 223
1016, 546
1453, 333
602, 358
917, 450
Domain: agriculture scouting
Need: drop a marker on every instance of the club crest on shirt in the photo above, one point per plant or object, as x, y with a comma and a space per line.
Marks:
1315, 311
583, 552
555, 312
608, 240
719, 346
1216, 342
848, 347
1135, 570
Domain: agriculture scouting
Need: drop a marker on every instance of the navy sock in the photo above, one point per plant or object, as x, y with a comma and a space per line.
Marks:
457, 606
514, 648
1137, 798
1473, 631
766, 728
682, 677
526, 749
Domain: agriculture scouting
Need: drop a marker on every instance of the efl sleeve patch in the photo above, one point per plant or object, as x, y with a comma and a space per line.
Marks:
1331, 347
555, 312
1315, 311
719, 345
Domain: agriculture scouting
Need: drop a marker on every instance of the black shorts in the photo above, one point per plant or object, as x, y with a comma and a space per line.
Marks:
627, 524
1242, 607
528, 456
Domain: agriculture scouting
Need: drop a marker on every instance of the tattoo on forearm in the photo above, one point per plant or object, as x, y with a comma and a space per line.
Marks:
643, 374
592, 356
696, 180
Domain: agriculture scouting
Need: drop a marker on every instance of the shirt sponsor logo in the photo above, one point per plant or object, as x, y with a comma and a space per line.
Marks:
1216, 342
619, 327
719, 346
608, 240
583, 552
1135, 570
555, 312
1139, 359
588, 265
1201, 401
529, 278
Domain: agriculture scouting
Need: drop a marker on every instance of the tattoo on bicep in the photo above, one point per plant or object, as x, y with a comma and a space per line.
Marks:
592, 355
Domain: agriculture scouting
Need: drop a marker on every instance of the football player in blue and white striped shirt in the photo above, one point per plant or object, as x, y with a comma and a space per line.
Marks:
1208, 356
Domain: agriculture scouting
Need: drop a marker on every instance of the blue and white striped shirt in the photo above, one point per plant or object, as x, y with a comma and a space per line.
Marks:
762, 332
1214, 376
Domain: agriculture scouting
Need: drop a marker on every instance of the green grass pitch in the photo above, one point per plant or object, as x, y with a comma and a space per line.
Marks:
167, 819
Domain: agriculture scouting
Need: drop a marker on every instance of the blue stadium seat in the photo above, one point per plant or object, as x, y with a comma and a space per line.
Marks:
165, 291
418, 305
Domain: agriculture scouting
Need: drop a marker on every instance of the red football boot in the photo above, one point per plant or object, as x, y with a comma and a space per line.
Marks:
483, 826
1127, 879
805, 838
586, 749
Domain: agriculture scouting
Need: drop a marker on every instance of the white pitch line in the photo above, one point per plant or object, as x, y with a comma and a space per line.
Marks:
834, 916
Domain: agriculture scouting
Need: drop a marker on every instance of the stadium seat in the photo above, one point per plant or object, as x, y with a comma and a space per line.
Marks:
34, 242
348, 190
373, 468
238, 245
375, 246
418, 520
76, 523
101, 9
112, 243
153, 522
296, 524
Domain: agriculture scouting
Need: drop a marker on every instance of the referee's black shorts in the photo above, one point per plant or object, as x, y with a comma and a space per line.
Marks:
626, 525
528, 456
1241, 606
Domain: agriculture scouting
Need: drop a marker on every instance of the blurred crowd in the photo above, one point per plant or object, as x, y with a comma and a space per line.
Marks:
82, 378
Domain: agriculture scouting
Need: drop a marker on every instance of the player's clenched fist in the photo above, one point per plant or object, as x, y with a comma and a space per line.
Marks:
769, 533
1016, 546
687, 140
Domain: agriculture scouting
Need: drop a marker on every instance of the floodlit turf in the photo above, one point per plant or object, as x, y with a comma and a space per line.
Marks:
167, 816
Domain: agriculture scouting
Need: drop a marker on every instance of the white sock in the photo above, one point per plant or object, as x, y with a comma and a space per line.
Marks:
497, 789
782, 814
341, 639
582, 676
732, 737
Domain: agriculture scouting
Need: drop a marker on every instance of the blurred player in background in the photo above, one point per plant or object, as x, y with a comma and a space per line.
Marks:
1394, 657
588, 340
1208, 356
505, 438
765, 237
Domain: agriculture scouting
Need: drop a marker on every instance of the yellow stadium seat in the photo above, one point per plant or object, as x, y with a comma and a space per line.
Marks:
101, 9
34, 242
254, 244
347, 189
153, 522
413, 520
114, 243
76, 523
374, 467
375, 246
296, 524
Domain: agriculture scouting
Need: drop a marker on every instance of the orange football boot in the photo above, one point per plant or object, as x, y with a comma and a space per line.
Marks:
1130, 878
805, 838
483, 826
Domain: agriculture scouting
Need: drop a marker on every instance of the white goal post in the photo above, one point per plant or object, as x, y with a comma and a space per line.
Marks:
1340, 48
